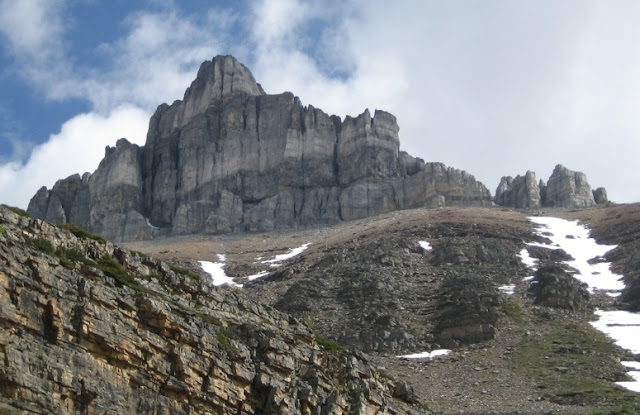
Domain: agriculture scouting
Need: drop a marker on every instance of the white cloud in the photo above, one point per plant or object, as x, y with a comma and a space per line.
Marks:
32, 27
77, 148
154, 62
493, 88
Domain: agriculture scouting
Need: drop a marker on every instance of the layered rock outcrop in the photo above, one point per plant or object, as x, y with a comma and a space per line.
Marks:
565, 188
229, 157
89, 328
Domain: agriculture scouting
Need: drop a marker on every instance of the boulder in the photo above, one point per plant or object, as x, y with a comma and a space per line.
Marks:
554, 287
600, 196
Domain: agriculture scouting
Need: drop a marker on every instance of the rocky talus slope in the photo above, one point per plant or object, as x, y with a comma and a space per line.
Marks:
89, 328
369, 284
229, 157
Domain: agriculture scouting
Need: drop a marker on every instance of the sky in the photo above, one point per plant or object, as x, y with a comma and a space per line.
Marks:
493, 87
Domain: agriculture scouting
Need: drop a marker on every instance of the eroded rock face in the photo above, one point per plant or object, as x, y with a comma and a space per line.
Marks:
469, 305
88, 327
555, 287
565, 188
522, 192
229, 157
380, 291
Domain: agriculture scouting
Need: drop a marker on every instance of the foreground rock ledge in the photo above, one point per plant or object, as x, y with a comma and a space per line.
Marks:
86, 327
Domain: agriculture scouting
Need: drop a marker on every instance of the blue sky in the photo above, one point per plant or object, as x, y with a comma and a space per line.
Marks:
492, 87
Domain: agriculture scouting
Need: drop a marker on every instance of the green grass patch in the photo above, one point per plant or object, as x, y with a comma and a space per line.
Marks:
571, 365
185, 272
18, 211
209, 319
2, 230
513, 311
224, 335
328, 344
388, 376
306, 320
139, 254
69, 257
80, 232
113, 269
42, 245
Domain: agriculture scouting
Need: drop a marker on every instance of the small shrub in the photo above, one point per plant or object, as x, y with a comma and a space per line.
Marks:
113, 269
80, 232
387, 376
66, 262
18, 211
2, 230
185, 272
329, 344
224, 335
140, 254
68, 257
514, 311
42, 245
306, 320
209, 319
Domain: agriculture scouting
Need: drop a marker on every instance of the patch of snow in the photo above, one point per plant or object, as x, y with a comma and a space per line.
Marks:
259, 275
527, 259
632, 365
222, 258
635, 374
216, 270
426, 355
529, 278
276, 262
621, 326
574, 239
425, 245
150, 225
508, 289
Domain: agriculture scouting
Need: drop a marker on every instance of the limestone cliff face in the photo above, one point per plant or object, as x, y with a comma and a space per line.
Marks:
523, 192
89, 328
565, 188
229, 157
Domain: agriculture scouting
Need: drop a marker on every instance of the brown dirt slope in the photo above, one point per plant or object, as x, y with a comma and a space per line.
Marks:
367, 284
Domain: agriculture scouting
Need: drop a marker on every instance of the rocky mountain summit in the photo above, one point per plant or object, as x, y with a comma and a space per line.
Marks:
87, 327
565, 188
229, 157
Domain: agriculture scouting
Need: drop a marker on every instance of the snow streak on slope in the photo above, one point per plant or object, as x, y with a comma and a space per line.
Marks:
219, 277
426, 355
620, 326
277, 261
574, 239
216, 270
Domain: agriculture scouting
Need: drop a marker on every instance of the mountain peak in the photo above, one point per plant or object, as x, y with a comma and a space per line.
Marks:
221, 77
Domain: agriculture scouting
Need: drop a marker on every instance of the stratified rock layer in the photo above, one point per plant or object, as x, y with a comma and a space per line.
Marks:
229, 157
89, 328
565, 188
